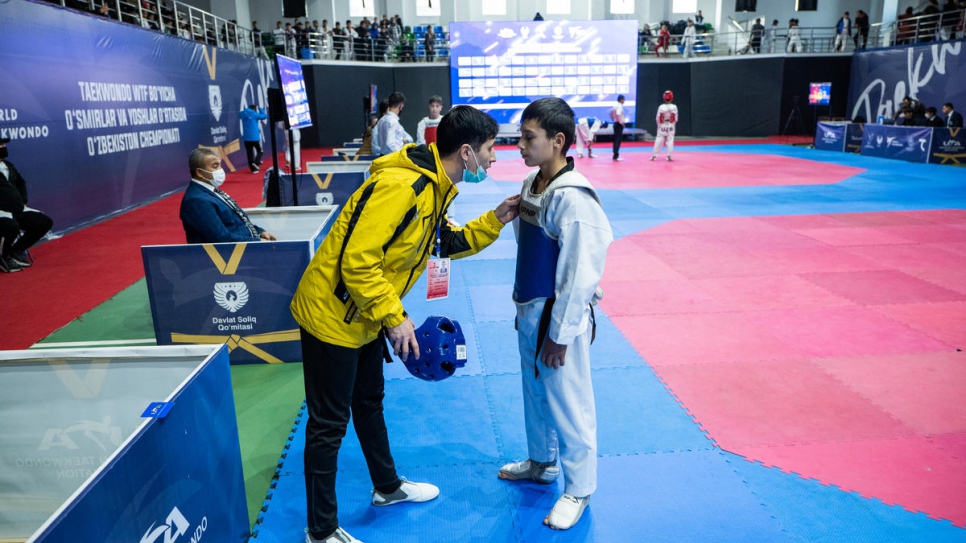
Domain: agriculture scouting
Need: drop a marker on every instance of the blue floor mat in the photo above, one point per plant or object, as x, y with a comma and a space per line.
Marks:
660, 477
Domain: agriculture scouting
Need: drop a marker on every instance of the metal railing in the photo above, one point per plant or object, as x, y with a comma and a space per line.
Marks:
175, 18
924, 28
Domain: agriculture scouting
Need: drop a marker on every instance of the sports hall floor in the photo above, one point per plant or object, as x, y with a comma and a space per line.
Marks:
778, 358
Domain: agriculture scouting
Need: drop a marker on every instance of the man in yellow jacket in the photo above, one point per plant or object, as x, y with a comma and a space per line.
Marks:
351, 296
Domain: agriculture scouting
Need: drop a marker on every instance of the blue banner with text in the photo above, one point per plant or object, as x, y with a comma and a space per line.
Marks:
102, 115
902, 142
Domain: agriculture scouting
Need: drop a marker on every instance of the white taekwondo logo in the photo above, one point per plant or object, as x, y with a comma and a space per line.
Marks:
174, 526
231, 296
61, 437
214, 101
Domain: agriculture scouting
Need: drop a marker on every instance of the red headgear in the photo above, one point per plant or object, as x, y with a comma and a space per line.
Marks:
668, 96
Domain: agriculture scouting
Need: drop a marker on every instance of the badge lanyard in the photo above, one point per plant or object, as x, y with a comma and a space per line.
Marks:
438, 268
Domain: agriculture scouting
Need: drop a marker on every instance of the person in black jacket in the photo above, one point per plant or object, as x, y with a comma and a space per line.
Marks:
933, 120
20, 226
954, 119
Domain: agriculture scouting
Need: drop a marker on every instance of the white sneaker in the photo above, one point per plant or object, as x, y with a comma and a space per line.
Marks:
591, 155
619, 159
407, 492
531, 471
579, 155
669, 158
566, 512
653, 158
338, 536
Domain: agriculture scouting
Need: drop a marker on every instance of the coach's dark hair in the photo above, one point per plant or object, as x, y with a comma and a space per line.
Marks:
197, 159
396, 98
462, 125
554, 116
383, 107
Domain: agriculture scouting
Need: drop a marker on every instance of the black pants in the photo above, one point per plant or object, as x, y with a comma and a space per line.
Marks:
34, 225
618, 136
254, 150
339, 380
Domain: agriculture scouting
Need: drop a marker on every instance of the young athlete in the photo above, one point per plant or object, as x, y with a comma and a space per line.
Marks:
562, 240
667, 118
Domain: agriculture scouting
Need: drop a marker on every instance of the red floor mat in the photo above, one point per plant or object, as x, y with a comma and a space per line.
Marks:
691, 170
829, 346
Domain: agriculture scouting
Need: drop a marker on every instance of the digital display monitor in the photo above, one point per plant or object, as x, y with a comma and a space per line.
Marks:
293, 88
502, 66
819, 94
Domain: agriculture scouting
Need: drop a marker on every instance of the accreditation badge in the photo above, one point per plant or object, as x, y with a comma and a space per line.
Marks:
437, 279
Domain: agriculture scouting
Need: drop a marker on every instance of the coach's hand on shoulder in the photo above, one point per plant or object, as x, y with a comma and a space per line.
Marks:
508, 209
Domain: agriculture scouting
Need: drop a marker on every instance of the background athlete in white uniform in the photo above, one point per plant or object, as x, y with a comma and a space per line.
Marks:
667, 119
587, 127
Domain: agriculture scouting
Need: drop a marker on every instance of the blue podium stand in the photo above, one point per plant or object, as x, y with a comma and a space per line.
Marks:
326, 183
237, 294
120, 445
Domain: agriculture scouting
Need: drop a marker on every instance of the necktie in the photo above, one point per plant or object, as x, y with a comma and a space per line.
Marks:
238, 211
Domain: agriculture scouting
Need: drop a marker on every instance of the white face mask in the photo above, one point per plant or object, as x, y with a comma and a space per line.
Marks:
217, 177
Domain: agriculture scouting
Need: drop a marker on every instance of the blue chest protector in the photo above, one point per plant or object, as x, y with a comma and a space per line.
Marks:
537, 254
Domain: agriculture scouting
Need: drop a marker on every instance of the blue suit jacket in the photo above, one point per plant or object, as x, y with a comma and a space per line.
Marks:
208, 219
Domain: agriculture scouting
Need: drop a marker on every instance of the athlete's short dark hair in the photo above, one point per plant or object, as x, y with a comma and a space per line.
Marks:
396, 98
555, 117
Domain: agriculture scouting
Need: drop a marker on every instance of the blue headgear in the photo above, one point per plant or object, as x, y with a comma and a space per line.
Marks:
442, 349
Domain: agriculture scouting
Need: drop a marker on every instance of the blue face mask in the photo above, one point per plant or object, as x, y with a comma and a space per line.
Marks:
470, 177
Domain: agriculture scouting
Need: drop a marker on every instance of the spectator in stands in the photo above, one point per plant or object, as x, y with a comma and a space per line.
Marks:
699, 18
430, 121
350, 36
149, 22
950, 19
771, 37
338, 40
358, 270
251, 118
289, 40
256, 35
374, 42
933, 120
861, 29
430, 43
208, 214
757, 33
644, 38
794, 37
929, 23
20, 226
391, 136
905, 30
663, 41
103, 9
842, 28
690, 36
278, 34
953, 118
184, 31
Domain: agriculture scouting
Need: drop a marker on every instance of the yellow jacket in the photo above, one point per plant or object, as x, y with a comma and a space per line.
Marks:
379, 246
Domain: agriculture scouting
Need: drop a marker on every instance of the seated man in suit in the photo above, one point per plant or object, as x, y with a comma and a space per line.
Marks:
207, 213
954, 119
